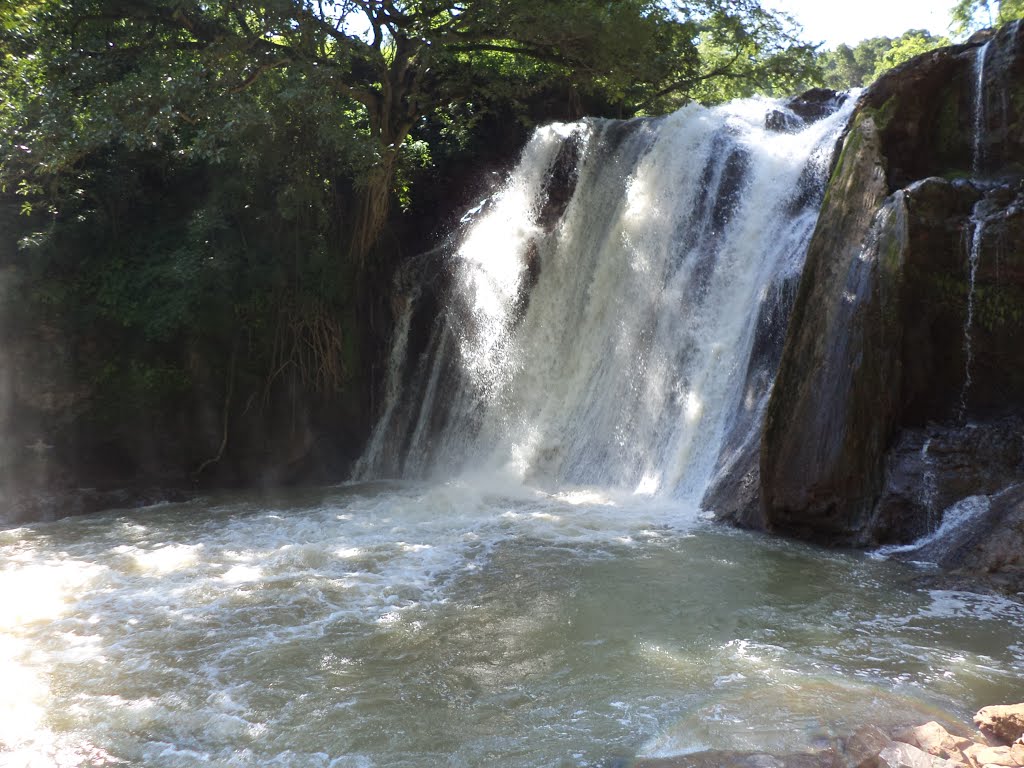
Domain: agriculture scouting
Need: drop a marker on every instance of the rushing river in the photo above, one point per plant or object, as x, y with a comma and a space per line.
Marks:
474, 623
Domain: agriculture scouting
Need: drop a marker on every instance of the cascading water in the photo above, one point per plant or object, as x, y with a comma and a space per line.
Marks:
610, 344
978, 127
977, 228
928, 488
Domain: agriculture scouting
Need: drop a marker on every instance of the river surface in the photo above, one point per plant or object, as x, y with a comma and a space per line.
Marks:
473, 623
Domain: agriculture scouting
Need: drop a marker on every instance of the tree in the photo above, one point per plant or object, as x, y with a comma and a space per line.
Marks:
853, 67
857, 67
140, 71
971, 15
912, 43
210, 182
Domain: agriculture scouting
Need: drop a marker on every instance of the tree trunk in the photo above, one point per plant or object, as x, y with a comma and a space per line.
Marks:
372, 209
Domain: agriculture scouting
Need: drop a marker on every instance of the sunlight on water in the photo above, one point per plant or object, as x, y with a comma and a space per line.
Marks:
452, 624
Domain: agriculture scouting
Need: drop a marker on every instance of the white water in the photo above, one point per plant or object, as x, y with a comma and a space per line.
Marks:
464, 624
936, 543
630, 362
977, 230
978, 133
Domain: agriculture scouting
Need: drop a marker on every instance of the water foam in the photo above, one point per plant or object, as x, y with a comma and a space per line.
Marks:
611, 348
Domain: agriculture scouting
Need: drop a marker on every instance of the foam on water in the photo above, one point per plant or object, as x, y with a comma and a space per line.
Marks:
420, 625
151, 584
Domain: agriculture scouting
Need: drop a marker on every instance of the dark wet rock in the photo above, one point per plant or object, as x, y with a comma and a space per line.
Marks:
931, 469
832, 410
926, 110
734, 495
817, 103
49, 506
909, 320
988, 543
808, 107
561, 183
865, 744
782, 121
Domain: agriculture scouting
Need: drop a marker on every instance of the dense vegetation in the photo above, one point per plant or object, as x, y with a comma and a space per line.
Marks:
213, 195
856, 67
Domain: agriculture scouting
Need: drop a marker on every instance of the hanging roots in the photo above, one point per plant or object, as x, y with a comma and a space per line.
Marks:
308, 346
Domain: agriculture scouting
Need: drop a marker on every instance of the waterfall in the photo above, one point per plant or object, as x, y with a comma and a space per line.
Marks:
978, 132
601, 324
974, 236
929, 489
957, 521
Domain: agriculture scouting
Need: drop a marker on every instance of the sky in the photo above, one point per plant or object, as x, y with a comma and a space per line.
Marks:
842, 21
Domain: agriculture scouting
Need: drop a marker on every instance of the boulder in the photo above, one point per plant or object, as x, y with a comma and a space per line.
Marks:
1017, 750
930, 470
897, 754
1002, 722
727, 759
935, 740
981, 755
808, 107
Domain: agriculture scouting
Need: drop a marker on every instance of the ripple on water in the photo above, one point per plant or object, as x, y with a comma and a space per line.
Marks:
400, 627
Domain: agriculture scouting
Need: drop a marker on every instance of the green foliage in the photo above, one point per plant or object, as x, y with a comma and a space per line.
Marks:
971, 15
856, 67
743, 50
907, 46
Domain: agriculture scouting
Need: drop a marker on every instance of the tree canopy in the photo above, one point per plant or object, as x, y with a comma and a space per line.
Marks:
90, 73
856, 67
971, 15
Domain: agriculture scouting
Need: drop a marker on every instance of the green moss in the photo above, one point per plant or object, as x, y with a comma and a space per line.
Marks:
950, 143
941, 291
999, 309
884, 114
845, 165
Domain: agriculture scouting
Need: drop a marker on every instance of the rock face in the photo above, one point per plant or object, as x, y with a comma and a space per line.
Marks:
1003, 722
901, 386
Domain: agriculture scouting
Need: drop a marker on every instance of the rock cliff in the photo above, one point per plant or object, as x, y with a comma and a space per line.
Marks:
901, 385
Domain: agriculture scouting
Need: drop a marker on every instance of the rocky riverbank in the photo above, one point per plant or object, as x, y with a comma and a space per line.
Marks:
998, 742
